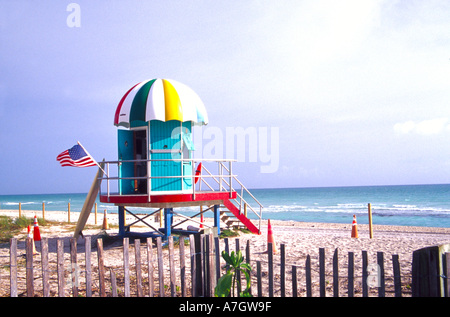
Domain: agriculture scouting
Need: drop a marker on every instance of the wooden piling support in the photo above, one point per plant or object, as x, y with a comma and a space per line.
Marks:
369, 208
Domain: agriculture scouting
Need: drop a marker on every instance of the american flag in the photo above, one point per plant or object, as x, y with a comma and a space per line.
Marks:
76, 156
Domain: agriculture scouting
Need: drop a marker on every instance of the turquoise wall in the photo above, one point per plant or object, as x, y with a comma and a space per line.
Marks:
164, 137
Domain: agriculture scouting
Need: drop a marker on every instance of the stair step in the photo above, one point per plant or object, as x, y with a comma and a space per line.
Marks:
230, 221
243, 219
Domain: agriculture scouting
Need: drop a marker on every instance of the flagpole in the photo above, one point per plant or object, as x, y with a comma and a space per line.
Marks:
92, 158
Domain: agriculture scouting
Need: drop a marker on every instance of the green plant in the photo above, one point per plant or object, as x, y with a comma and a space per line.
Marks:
22, 222
9, 227
229, 282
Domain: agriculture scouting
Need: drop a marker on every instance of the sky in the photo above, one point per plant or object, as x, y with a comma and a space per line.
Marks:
340, 93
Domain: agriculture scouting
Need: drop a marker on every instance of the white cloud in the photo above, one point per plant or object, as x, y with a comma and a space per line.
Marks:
425, 127
404, 127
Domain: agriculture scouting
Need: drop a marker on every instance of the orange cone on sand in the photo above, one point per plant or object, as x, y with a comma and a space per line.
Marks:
270, 238
354, 228
36, 232
105, 221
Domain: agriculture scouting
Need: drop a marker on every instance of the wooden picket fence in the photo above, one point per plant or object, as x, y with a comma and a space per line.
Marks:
198, 271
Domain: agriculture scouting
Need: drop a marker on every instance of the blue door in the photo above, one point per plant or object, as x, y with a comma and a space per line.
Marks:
165, 146
132, 145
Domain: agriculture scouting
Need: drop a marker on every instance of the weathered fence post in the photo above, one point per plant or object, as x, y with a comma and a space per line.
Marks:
126, 266
101, 268
247, 257
74, 266
322, 272
137, 256
160, 266
365, 274
207, 266
227, 250
397, 278
172, 268
212, 265
258, 276
88, 270
182, 267
283, 269
218, 257
446, 270
193, 265
447, 273
351, 269
381, 285
270, 253
198, 262
238, 273
45, 268
294, 281
335, 273
29, 267
308, 276
13, 267
150, 267
60, 267
113, 283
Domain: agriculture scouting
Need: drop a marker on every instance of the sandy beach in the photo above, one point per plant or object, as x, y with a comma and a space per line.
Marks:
300, 239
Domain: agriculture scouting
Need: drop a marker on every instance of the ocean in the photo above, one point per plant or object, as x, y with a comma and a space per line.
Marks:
404, 205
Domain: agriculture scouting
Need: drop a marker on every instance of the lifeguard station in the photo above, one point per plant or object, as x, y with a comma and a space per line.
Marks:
156, 168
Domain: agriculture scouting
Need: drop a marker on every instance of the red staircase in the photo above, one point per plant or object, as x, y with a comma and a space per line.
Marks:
242, 218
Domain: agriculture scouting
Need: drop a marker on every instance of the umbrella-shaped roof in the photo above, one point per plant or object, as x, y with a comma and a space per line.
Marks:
160, 99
